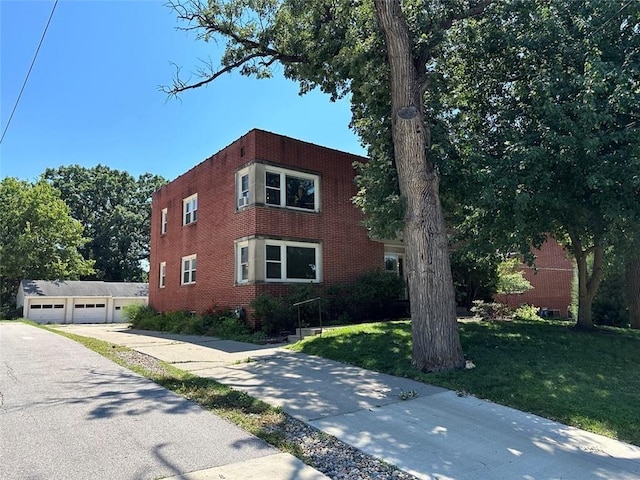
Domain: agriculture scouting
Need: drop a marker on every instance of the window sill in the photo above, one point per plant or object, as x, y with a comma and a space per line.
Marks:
290, 281
290, 209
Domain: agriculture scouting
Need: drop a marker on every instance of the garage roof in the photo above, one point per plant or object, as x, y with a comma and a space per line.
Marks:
81, 288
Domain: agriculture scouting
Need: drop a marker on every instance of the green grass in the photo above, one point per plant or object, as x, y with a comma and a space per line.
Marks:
589, 380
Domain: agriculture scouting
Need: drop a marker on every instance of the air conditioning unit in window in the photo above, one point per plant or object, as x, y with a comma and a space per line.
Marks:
243, 202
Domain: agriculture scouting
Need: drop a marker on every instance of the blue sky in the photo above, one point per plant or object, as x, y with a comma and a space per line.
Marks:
93, 96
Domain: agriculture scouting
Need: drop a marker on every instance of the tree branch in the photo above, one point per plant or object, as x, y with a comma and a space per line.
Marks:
179, 86
198, 16
448, 22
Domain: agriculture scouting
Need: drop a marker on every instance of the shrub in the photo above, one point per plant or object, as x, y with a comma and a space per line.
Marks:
526, 313
490, 310
176, 322
139, 314
372, 297
308, 311
10, 312
229, 327
272, 313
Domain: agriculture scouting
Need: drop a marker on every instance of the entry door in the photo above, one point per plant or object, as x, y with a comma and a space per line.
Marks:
394, 263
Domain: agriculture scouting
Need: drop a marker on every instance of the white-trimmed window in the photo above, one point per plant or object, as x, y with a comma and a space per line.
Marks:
291, 189
190, 209
243, 190
243, 262
163, 221
292, 261
188, 270
163, 274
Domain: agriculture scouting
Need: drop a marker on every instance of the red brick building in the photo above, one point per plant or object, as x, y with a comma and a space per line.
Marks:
264, 213
551, 279
268, 212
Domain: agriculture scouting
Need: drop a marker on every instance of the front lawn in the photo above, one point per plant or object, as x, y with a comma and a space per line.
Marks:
590, 380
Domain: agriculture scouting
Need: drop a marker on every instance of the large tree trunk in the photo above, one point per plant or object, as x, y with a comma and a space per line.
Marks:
436, 342
632, 282
587, 283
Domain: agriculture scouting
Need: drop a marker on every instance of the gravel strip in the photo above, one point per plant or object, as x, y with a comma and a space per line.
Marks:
325, 453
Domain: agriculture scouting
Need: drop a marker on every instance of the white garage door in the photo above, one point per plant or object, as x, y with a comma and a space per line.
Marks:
48, 311
90, 310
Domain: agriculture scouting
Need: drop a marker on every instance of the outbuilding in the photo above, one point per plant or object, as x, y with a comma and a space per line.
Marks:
74, 301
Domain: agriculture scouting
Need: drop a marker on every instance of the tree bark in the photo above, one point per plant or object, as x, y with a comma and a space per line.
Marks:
436, 341
632, 283
587, 284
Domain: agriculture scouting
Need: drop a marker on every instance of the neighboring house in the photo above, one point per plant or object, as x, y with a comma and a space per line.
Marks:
70, 301
265, 213
551, 278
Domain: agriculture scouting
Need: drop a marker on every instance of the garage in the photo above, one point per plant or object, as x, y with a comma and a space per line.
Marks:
76, 301
90, 310
48, 311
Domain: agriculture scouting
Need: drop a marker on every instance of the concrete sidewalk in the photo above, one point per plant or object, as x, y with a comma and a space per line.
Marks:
435, 434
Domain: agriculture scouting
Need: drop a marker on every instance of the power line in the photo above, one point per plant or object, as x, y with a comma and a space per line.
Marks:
26, 78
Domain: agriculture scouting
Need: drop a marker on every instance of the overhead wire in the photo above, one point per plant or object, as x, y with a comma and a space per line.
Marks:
26, 78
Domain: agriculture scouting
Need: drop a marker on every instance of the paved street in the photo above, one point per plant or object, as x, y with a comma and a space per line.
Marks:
68, 413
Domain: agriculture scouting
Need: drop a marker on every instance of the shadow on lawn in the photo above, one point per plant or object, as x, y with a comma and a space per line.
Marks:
586, 379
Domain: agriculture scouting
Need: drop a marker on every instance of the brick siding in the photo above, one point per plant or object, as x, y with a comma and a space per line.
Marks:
347, 251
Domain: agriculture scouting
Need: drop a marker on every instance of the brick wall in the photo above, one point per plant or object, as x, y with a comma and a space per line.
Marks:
551, 278
346, 249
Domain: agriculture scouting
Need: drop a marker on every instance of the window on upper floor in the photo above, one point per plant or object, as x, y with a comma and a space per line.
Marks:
188, 270
190, 209
163, 274
243, 191
287, 188
292, 261
163, 221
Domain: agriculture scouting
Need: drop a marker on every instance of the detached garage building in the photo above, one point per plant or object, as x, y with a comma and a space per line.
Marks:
69, 301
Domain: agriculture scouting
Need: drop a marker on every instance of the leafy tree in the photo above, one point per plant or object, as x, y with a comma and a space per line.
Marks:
475, 276
38, 237
545, 121
511, 279
115, 210
382, 54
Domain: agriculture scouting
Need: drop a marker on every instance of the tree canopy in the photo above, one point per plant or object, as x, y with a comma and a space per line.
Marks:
545, 120
115, 210
361, 48
529, 108
38, 237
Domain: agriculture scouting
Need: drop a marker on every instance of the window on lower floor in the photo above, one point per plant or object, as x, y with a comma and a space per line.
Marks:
243, 265
292, 261
163, 274
189, 270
